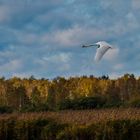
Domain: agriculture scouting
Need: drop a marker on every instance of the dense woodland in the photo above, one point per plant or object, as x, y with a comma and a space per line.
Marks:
31, 94
110, 117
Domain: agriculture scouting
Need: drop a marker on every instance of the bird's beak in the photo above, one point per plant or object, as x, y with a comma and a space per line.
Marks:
111, 47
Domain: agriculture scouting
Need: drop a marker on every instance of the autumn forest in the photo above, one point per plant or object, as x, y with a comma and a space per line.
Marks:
73, 93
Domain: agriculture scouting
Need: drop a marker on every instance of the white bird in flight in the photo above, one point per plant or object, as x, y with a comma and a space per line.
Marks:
102, 48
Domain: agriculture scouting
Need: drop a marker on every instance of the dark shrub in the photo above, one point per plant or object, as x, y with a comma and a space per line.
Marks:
65, 104
110, 104
135, 103
5, 109
82, 103
32, 108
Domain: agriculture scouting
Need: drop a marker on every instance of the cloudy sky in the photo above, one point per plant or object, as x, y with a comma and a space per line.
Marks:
43, 37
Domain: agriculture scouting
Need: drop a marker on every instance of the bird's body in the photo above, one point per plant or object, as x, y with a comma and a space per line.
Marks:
102, 48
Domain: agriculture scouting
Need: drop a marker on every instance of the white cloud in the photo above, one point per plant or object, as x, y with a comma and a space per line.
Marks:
114, 75
119, 6
136, 4
64, 67
11, 66
74, 36
6, 54
28, 38
61, 57
4, 13
132, 22
68, 37
21, 75
118, 66
108, 3
60, 61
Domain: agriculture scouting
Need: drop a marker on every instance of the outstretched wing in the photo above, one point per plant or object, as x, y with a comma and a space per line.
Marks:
100, 52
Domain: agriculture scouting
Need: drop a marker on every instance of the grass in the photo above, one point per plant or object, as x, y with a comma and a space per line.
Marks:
107, 124
79, 117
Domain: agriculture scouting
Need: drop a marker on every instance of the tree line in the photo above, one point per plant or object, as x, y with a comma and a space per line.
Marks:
85, 92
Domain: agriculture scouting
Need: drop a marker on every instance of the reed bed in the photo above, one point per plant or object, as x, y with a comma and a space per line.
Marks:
79, 117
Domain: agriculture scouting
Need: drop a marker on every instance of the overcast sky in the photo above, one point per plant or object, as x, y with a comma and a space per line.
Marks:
43, 37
